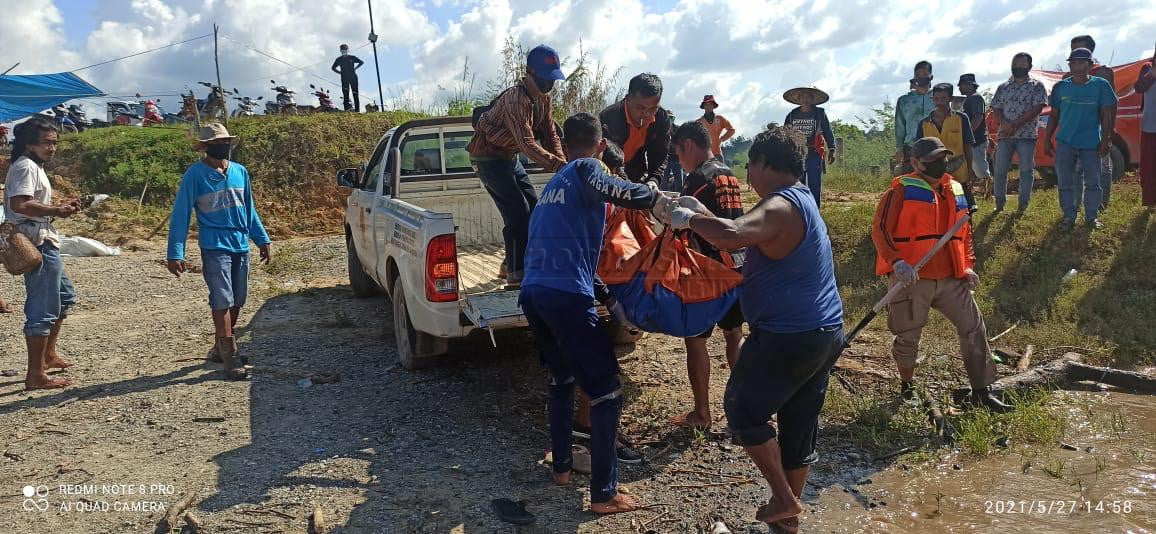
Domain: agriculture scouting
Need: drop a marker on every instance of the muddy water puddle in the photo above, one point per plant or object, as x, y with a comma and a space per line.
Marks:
1107, 484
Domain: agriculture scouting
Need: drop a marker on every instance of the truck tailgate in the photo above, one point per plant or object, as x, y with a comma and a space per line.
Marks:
484, 300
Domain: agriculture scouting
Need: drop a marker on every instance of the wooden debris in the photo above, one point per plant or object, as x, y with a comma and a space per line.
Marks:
943, 429
169, 522
1068, 369
317, 524
681, 471
713, 484
208, 419
1026, 359
1004, 333
194, 523
895, 453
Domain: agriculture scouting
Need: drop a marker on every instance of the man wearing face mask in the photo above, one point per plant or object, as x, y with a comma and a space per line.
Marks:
346, 65
912, 108
642, 128
220, 194
1082, 120
910, 218
513, 123
1017, 105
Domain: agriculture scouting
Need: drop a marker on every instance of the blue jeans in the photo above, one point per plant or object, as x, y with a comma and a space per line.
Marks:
1026, 148
576, 349
227, 275
813, 176
508, 184
1105, 179
1072, 185
49, 293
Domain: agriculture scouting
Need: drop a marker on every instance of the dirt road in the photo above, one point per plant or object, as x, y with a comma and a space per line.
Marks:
381, 449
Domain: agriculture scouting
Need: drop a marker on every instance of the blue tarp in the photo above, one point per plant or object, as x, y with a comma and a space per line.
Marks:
24, 95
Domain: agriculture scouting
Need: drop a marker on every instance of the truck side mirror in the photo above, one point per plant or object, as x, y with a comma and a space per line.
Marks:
348, 178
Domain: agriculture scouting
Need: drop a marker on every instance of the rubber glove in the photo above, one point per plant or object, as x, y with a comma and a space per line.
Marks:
680, 218
905, 273
972, 279
693, 204
662, 209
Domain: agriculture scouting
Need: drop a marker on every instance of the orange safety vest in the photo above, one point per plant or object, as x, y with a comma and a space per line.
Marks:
923, 219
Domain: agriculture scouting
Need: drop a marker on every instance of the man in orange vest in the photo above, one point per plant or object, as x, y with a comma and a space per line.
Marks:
911, 217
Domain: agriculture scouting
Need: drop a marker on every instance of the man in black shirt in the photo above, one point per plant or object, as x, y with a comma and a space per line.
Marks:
347, 65
717, 190
811, 121
976, 110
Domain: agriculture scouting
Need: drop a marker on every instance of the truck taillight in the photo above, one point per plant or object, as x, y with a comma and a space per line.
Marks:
441, 269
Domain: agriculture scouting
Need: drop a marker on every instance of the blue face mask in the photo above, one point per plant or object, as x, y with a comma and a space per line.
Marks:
345, 52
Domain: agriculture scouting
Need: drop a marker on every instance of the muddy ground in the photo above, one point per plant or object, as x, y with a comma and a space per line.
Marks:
381, 449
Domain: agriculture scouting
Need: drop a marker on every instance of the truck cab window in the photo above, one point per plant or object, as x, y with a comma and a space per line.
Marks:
376, 165
421, 155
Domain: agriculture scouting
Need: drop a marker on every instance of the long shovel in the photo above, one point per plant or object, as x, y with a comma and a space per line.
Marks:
895, 289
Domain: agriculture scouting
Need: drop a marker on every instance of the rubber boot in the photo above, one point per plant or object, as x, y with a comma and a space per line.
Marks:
227, 350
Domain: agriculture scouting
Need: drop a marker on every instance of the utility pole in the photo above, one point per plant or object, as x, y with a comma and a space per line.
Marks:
376, 66
10, 68
221, 88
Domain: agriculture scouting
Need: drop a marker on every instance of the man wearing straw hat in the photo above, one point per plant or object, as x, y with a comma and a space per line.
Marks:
811, 120
717, 126
220, 193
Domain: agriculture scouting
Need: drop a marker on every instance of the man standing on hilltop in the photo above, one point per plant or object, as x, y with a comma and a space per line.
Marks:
1082, 120
1017, 105
220, 193
28, 205
513, 123
976, 109
811, 121
347, 65
717, 126
912, 108
1099, 70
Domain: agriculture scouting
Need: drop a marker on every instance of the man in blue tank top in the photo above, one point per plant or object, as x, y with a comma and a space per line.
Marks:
792, 303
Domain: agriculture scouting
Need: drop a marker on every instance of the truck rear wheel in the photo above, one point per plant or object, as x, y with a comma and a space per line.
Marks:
359, 281
415, 350
1049, 176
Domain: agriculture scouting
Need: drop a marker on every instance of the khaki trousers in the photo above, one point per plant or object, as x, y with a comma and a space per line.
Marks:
907, 315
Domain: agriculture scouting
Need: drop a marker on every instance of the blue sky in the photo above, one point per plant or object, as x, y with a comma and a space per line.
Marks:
745, 52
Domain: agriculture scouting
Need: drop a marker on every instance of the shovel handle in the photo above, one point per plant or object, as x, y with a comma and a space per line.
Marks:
895, 289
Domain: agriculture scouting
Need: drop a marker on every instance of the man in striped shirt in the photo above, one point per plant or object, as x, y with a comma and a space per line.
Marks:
515, 122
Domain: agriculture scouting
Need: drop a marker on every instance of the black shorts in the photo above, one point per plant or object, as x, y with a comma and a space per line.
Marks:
732, 320
784, 374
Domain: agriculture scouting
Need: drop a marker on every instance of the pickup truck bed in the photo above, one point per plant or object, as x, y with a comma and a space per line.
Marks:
478, 268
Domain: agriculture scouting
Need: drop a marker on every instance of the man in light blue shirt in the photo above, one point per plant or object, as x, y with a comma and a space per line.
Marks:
911, 109
220, 193
1083, 108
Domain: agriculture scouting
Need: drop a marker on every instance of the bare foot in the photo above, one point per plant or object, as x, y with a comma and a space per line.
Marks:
44, 382
778, 509
692, 420
789, 525
562, 479
619, 504
54, 361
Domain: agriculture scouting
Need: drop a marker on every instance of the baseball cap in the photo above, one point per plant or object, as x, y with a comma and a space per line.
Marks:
544, 61
1081, 53
929, 148
943, 88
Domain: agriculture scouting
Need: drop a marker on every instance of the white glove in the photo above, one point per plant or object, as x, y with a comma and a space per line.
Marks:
663, 208
693, 204
619, 315
653, 186
905, 273
680, 218
972, 279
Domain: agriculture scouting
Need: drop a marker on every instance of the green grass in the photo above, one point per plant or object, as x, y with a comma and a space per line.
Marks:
1032, 422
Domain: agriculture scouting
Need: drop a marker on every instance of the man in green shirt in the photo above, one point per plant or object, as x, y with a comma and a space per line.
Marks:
911, 109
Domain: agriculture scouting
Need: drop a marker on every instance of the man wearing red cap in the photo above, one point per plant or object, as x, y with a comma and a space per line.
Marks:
717, 126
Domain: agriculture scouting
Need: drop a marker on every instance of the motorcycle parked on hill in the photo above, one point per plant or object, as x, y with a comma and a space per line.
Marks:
189, 107
152, 114
63, 123
323, 99
246, 106
285, 104
215, 108
79, 118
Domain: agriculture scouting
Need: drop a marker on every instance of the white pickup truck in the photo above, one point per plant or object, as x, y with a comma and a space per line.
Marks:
419, 225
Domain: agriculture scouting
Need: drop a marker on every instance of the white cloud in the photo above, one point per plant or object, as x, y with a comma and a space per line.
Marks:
745, 52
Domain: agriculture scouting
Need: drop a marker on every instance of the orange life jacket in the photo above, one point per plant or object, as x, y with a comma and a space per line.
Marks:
924, 218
